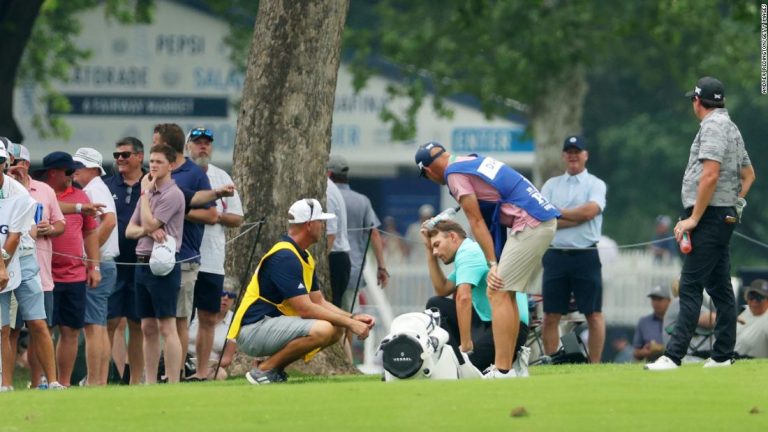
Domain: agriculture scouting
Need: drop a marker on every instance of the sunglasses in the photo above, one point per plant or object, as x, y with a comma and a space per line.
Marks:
229, 294
201, 132
755, 296
124, 155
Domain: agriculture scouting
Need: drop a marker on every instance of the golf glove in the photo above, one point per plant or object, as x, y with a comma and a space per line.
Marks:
740, 204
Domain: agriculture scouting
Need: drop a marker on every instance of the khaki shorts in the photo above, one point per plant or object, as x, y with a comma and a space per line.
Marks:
187, 291
521, 258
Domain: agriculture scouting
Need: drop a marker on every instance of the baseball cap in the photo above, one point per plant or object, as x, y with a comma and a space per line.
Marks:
306, 210
424, 158
90, 158
426, 210
58, 159
4, 143
199, 132
575, 142
759, 286
19, 152
708, 88
337, 165
163, 257
660, 291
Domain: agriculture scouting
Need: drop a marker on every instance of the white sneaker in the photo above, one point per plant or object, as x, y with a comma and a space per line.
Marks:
56, 386
711, 363
521, 362
4, 389
662, 363
492, 373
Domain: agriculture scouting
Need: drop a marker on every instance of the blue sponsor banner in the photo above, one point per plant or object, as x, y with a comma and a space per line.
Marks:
145, 106
484, 140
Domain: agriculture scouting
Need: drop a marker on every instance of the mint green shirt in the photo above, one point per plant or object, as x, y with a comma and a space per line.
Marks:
471, 268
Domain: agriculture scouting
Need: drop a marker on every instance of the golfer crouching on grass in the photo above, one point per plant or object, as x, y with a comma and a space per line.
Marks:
283, 314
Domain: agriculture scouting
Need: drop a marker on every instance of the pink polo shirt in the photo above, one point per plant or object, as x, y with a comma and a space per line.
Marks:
46, 196
511, 215
68, 265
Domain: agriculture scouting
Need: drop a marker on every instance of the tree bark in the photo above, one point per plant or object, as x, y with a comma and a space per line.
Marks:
556, 115
284, 125
17, 17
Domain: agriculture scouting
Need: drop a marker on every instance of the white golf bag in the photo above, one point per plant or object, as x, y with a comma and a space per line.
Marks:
417, 347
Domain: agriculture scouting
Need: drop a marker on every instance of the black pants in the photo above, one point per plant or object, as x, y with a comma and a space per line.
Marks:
707, 266
339, 266
482, 334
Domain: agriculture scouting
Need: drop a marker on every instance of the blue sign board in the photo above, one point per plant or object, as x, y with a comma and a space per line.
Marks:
146, 106
488, 139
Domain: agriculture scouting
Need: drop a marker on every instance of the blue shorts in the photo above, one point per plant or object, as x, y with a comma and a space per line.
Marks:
576, 272
29, 294
208, 289
122, 302
96, 299
69, 304
156, 296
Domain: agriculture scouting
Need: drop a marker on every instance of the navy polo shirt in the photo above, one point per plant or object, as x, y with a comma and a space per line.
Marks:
190, 178
280, 278
126, 197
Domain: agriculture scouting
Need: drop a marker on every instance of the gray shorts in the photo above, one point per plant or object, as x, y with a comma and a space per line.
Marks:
97, 299
271, 334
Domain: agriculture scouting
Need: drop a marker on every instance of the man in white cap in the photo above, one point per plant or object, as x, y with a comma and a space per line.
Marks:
35, 292
17, 210
413, 233
97, 347
283, 314
158, 218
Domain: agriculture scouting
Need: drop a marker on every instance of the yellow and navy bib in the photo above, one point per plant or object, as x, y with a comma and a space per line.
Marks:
253, 294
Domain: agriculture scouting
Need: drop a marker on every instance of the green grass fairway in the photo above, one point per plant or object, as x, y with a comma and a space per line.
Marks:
557, 398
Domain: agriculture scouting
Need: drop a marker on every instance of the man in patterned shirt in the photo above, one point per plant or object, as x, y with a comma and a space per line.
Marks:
717, 178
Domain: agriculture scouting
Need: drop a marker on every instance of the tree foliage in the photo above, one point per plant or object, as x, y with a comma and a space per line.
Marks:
52, 52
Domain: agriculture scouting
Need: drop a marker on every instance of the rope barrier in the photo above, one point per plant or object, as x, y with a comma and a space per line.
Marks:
251, 227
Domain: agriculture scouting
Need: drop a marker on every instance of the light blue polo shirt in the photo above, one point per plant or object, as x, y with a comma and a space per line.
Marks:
471, 268
567, 191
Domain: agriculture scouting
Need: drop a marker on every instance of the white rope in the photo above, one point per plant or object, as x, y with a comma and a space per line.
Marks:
625, 246
251, 226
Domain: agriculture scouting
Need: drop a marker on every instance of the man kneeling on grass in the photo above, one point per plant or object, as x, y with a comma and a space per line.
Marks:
283, 314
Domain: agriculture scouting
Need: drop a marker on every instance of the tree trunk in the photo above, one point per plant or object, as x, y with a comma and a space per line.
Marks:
556, 115
284, 125
17, 17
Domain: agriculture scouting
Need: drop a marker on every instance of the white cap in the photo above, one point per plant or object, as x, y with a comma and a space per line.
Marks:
426, 210
89, 157
163, 257
306, 210
19, 152
3, 153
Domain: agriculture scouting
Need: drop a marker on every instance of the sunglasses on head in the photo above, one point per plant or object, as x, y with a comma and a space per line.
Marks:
755, 296
124, 154
229, 294
201, 132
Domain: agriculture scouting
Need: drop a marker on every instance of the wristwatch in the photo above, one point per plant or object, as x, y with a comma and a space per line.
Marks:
5, 254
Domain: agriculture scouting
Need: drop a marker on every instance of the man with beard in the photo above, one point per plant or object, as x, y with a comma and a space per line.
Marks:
210, 278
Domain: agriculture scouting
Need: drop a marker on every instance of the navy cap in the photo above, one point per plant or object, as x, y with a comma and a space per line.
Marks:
709, 89
59, 159
424, 157
574, 141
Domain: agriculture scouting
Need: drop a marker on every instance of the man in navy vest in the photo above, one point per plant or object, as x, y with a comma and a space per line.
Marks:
513, 224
